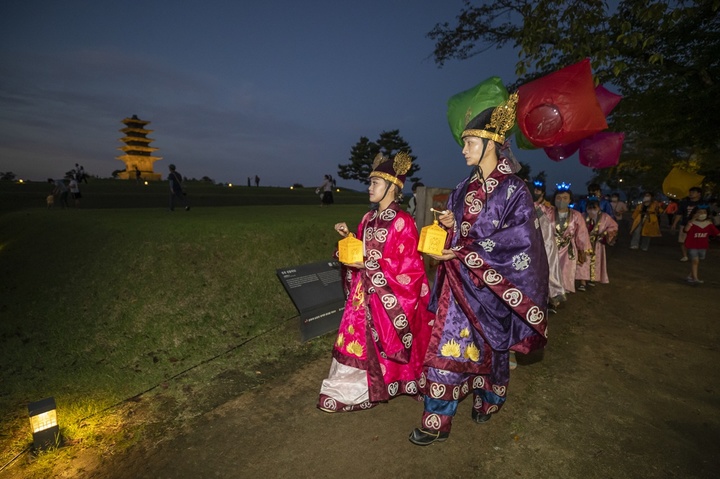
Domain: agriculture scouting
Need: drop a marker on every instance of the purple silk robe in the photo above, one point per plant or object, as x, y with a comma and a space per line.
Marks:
491, 298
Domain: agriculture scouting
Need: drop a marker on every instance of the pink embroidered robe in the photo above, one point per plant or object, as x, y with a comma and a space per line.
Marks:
386, 326
602, 232
571, 236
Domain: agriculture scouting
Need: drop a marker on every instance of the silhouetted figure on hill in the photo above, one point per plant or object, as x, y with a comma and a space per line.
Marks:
61, 191
176, 189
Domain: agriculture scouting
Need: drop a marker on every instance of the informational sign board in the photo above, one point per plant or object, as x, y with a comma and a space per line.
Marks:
316, 290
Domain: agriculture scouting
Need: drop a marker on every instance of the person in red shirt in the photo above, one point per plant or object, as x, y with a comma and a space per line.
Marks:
699, 230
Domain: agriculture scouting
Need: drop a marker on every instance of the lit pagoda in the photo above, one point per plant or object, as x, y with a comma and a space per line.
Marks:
137, 149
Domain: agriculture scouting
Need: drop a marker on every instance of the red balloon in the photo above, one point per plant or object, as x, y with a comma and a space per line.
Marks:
601, 150
543, 121
607, 99
560, 108
561, 152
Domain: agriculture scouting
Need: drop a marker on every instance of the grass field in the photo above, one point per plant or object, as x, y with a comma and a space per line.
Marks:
107, 193
100, 305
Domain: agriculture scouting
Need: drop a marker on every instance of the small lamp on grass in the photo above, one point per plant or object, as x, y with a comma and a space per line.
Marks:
43, 422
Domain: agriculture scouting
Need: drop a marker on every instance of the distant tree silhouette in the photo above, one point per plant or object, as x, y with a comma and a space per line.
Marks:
364, 152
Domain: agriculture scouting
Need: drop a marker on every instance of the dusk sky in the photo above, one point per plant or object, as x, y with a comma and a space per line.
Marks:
281, 89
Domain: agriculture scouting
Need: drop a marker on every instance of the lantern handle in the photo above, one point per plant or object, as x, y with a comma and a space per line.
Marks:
435, 212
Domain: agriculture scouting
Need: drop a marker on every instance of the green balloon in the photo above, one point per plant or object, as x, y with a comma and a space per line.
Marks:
520, 139
466, 105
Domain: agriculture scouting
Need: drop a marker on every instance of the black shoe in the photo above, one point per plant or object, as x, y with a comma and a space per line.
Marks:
425, 437
480, 417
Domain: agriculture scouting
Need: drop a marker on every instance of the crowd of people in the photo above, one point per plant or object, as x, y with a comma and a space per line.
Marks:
64, 187
511, 257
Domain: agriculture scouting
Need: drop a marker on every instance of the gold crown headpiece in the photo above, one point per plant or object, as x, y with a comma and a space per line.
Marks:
394, 171
502, 120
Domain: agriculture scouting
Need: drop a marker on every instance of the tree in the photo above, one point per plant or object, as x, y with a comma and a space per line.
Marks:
364, 152
7, 176
662, 55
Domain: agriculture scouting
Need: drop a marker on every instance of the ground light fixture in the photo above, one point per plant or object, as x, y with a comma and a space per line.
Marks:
43, 422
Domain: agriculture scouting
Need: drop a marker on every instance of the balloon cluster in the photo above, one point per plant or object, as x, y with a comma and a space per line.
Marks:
562, 112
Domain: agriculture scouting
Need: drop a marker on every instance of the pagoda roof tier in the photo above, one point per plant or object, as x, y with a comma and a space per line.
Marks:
137, 157
136, 130
139, 154
135, 125
148, 149
139, 139
135, 120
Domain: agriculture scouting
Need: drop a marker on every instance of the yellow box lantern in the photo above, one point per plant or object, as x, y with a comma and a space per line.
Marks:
432, 239
350, 250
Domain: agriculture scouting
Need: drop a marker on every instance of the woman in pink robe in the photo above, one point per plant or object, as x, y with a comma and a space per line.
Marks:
602, 230
385, 328
571, 237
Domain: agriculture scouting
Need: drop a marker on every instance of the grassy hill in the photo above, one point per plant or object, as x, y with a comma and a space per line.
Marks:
122, 299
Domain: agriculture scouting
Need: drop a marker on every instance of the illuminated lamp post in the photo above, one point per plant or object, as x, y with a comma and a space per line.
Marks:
43, 422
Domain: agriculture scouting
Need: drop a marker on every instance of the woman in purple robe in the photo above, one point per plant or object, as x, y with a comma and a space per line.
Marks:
491, 289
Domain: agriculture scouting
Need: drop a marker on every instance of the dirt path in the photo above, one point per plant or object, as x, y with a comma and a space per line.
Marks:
627, 388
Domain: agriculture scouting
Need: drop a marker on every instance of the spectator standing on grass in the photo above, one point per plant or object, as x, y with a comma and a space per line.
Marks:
75, 191
326, 188
385, 328
683, 216
177, 192
491, 288
602, 229
646, 223
249, 184
699, 229
60, 190
138, 175
571, 237
80, 173
257, 180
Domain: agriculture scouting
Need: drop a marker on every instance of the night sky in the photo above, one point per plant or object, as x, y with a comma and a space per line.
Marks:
281, 89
